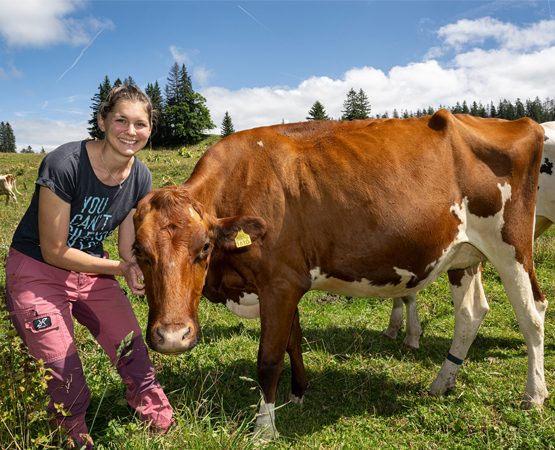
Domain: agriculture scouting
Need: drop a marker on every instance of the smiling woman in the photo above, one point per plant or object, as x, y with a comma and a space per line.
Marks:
57, 268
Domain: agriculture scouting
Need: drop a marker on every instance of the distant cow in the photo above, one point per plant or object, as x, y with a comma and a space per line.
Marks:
545, 217
371, 208
7, 187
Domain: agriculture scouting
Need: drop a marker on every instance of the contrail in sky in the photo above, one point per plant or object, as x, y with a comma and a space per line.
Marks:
79, 57
255, 19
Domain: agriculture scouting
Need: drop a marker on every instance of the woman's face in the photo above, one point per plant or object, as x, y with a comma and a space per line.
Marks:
127, 127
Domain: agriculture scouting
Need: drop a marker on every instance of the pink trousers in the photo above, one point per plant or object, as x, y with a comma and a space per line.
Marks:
42, 301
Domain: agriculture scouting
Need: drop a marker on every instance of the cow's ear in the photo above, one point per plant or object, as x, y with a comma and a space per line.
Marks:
236, 232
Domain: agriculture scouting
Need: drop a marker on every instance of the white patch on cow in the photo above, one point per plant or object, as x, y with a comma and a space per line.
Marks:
363, 288
192, 214
247, 308
260, 143
172, 264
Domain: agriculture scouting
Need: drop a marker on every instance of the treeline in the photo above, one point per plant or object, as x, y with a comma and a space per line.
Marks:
535, 109
183, 119
357, 106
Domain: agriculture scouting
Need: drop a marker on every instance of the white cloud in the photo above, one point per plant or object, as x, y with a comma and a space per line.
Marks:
521, 64
202, 75
40, 23
182, 56
49, 134
476, 32
12, 72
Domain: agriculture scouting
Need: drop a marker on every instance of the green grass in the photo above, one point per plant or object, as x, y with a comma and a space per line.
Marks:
365, 391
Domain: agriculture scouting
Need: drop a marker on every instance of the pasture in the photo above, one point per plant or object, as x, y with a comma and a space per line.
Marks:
365, 391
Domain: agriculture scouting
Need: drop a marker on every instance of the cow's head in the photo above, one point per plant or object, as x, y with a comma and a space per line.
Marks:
174, 241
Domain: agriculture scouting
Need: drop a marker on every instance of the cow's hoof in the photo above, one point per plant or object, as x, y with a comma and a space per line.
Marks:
529, 403
294, 399
439, 389
411, 346
389, 334
264, 434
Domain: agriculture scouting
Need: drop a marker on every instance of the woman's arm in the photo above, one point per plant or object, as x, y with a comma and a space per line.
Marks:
54, 217
126, 238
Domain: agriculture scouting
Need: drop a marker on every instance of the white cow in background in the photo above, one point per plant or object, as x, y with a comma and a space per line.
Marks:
545, 217
7, 187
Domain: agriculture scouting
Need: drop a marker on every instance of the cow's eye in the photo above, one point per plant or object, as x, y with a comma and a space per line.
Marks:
206, 247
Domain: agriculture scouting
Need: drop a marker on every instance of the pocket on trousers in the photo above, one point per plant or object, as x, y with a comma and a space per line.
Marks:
46, 336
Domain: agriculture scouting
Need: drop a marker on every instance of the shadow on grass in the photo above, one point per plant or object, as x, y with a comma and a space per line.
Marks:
357, 376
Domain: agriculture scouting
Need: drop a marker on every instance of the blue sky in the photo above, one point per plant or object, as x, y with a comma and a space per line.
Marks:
265, 61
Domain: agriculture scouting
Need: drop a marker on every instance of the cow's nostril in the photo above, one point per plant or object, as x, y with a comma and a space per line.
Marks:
159, 336
186, 333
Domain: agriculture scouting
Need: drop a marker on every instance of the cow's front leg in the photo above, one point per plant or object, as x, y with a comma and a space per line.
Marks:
299, 380
471, 307
277, 314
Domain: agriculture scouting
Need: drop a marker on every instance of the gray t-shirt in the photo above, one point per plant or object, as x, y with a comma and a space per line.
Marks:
96, 209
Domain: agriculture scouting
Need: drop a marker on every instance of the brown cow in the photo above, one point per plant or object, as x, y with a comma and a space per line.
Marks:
7, 187
364, 208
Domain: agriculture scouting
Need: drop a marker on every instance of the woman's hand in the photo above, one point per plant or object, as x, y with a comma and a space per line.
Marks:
134, 277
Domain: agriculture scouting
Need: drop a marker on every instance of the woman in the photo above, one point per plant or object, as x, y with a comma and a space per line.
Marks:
57, 269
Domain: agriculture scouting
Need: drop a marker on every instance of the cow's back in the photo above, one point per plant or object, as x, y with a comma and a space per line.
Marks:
360, 199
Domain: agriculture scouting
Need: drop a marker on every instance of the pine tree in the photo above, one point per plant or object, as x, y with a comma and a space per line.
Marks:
317, 112
227, 126
520, 111
474, 109
2, 134
99, 97
185, 86
172, 87
350, 105
492, 111
185, 116
356, 106
157, 101
465, 109
129, 81
9, 139
363, 105
117, 83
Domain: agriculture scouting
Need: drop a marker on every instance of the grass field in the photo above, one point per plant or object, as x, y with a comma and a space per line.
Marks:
365, 392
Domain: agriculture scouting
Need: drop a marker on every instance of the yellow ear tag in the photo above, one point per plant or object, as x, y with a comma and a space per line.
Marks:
242, 239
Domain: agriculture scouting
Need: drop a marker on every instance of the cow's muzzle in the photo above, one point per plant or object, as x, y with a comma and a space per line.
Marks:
173, 339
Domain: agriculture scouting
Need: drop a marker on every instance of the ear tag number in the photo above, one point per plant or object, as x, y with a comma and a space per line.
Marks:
242, 239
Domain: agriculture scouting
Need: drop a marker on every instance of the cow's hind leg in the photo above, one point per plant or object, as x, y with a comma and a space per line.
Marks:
471, 307
395, 319
414, 330
529, 305
299, 380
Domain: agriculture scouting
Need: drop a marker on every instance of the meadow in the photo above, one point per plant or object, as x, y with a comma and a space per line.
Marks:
365, 391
